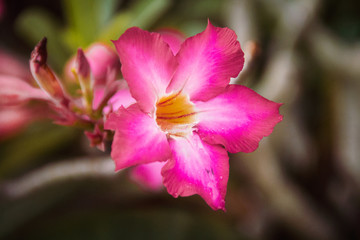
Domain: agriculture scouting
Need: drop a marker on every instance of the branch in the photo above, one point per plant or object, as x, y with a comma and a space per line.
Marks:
58, 172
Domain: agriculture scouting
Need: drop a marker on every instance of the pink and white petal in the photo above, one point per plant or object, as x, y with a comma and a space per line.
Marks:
172, 37
137, 139
102, 58
98, 96
15, 91
148, 175
238, 119
147, 65
121, 98
207, 61
197, 168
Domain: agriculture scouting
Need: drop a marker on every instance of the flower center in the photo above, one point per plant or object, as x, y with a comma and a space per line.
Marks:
175, 114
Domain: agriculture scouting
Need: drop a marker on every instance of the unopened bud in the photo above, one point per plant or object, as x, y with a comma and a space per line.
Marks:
101, 58
43, 74
82, 66
83, 72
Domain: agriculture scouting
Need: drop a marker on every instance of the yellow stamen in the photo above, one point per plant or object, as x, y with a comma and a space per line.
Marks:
175, 114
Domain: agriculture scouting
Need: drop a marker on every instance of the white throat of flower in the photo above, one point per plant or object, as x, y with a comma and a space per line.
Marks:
175, 114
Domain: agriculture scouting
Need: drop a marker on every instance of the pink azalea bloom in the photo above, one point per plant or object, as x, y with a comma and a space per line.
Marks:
186, 114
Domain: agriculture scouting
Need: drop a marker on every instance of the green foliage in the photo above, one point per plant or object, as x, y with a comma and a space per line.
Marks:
143, 14
86, 19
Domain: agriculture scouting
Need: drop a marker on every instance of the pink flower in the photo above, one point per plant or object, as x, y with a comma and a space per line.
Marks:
186, 114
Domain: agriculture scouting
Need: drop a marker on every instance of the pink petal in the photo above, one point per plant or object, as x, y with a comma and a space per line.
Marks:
121, 98
148, 175
147, 65
14, 91
137, 138
101, 58
197, 168
207, 61
98, 96
238, 119
172, 37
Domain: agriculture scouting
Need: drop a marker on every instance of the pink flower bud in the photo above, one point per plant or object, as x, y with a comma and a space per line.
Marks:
101, 58
82, 66
96, 138
43, 75
83, 72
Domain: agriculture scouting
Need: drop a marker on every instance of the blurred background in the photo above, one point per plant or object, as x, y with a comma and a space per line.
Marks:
303, 182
